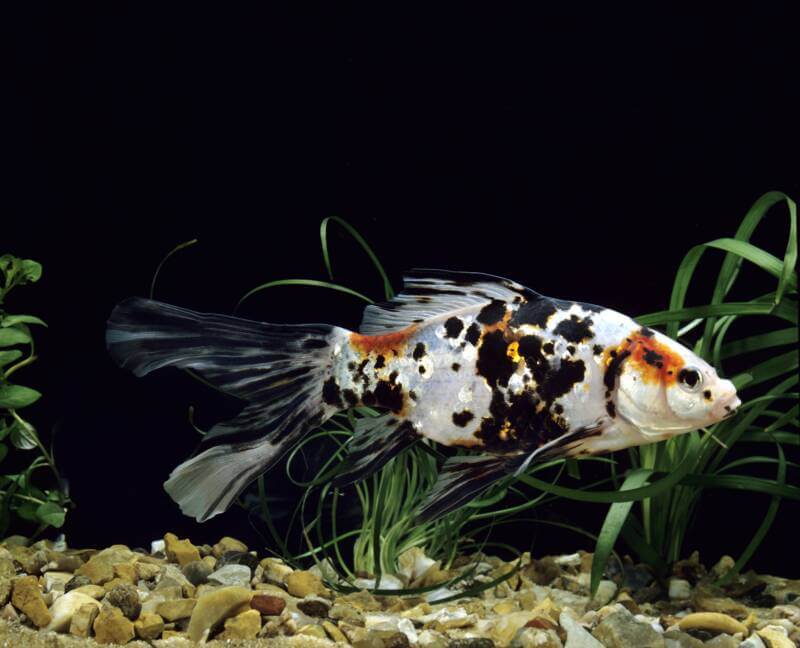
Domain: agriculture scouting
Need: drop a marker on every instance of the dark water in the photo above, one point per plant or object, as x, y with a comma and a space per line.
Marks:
579, 153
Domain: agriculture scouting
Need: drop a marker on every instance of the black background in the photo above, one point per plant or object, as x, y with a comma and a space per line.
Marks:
577, 151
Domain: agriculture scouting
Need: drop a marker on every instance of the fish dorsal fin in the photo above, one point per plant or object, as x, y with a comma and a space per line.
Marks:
431, 293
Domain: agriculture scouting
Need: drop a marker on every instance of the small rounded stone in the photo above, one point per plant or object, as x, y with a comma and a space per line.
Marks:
126, 598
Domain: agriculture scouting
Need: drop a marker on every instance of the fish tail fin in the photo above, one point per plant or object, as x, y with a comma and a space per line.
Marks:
462, 478
279, 370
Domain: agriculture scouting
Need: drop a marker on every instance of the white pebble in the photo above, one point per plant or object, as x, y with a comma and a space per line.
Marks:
157, 546
679, 589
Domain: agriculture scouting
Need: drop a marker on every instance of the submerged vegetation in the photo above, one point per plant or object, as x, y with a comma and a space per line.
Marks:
19, 495
653, 491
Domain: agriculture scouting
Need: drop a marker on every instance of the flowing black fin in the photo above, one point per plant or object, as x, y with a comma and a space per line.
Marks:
462, 478
375, 441
278, 369
437, 293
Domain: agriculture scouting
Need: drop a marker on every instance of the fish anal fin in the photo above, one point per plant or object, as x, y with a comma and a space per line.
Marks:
464, 477
376, 440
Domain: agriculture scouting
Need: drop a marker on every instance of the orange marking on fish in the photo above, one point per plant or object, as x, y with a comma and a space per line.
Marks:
655, 362
382, 344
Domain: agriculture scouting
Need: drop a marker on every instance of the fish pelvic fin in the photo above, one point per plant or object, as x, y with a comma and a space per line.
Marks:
278, 370
376, 440
464, 477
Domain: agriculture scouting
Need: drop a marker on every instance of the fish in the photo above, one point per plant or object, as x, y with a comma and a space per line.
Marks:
463, 359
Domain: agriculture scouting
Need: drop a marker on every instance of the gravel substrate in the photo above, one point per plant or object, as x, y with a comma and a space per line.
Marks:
179, 594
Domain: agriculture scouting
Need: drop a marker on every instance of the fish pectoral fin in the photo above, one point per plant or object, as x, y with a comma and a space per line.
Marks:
464, 477
376, 440
433, 293
564, 446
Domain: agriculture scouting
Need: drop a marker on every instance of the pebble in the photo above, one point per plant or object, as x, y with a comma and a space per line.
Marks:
268, 605
314, 607
776, 637
5, 590
577, 635
111, 626
214, 607
55, 581
678, 639
333, 632
243, 626
180, 551
126, 598
536, 638
620, 630
27, 598
95, 591
679, 589
227, 544
196, 572
148, 626
238, 558
722, 641
471, 642
605, 592
231, 575
65, 607
302, 583
176, 609
81, 623
714, 622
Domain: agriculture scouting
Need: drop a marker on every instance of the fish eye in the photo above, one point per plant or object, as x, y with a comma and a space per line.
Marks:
690, 379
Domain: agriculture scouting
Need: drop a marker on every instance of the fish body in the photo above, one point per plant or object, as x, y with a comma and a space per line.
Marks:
463, 359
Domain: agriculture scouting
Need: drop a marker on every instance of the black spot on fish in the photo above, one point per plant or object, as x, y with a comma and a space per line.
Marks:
570, 349
516, 424
592, 308
560, 381
646, 332
350, 397
456, 366
422, 369
653, 358
613, 369
535, 312
315, 343
424, 300
380, 361
575, 329
419, 351
331, 394
548, 348
492, 313
453, 327
493, 362
612, 411
351, 366
393, 377
389, 396
597, 349
558, 408
412, 395
707, 394
368, 398
530, 347
462, 418
473, 334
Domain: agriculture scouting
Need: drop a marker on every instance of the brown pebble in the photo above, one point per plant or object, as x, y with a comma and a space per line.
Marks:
266, 604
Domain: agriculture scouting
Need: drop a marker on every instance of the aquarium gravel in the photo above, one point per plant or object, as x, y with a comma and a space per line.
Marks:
179, 594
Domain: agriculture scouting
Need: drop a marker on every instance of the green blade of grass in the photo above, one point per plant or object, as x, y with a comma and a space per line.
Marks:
300, 282
612, 525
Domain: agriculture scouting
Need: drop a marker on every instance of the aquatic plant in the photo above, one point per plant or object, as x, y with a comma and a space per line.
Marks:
699, 460
19, 495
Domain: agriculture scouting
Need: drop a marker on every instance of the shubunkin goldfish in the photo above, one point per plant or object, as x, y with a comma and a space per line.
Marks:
463, 359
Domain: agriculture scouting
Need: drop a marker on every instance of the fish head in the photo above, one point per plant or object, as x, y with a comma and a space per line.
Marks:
665, 389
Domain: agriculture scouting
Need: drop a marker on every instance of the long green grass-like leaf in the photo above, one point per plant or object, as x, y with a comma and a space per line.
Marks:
323, 235
300, 282
177, 248
612, 525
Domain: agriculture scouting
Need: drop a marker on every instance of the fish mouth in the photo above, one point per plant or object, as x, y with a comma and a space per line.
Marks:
725, 408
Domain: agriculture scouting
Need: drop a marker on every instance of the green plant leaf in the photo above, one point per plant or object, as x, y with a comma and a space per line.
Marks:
17, 396
612, 525
3, 451
30, 271
7, 357
13, 335
10, 320
23, 435
177, 248
51, 514
300, 282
